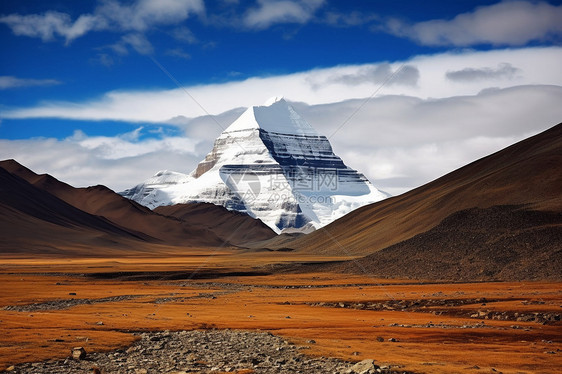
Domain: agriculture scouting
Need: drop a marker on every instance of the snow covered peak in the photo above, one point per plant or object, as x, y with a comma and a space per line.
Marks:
167, 176
271, 164
273, 100
275, 116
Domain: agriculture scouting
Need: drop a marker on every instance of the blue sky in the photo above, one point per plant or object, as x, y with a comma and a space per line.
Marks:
96, 92
201, 48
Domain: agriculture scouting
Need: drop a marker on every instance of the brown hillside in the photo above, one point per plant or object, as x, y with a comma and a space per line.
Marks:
507, 243
32, 221
527, 173
103, 202
234, 227
196, 226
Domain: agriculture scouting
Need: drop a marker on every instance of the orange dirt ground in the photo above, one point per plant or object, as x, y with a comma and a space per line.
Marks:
280, 304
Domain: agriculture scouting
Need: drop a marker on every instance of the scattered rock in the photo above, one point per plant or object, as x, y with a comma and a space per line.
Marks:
66, 303
78, 353
363, 367
206, 352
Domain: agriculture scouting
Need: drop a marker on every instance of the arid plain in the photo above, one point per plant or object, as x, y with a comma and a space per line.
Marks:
51, 305
461, 275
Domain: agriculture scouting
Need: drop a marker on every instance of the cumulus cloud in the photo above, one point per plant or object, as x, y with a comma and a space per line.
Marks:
402, 138
8, 81
402, 142
503, 70
117, 162
137, 16
511, 23
398, 142
128, 145
270, 12
318, 86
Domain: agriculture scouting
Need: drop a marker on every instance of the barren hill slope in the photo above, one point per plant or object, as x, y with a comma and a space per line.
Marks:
234, 227
508, 243
34, 221
101, 201
527, 173
196, 227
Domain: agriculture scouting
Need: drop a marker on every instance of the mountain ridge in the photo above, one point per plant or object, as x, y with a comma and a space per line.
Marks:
33, 221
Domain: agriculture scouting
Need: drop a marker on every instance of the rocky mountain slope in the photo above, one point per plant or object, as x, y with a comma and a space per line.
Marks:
508, 243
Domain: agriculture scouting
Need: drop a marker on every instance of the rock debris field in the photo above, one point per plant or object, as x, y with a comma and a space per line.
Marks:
207, 351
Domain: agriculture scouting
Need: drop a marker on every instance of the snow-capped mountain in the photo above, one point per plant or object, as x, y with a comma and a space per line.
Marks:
271, 164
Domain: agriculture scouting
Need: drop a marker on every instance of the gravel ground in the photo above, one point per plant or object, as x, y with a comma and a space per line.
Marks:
208, 351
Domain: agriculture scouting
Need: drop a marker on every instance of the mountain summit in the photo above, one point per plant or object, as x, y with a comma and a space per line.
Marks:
274, 116
271, 164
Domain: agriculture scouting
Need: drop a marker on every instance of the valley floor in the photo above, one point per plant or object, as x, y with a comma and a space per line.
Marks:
49, 306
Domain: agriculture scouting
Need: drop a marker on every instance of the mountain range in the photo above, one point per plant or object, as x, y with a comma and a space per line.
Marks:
39, 212
499, 218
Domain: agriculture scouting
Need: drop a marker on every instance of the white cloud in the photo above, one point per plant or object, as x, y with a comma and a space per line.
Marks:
270, 12
398, 142
138, 42
142, 14
354, 18
128, 145
402, 142
511, 23
401, 139
49, 25
183, 34
137, 16
117, 162
318, 86
8, 81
